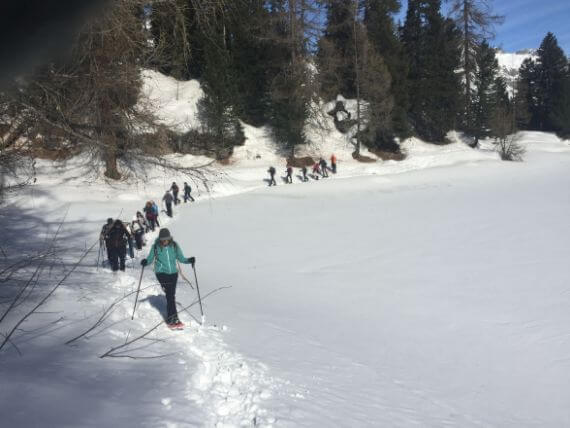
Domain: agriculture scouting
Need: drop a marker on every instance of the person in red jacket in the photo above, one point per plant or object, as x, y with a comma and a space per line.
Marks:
333, 163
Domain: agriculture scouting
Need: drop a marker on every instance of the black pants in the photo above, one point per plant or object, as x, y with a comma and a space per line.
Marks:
176, 200
188, 196
152, 221
117, 257
333, 168
272, 182
108, 247
168, 284
139, 234
289, 178
168, 209
131, 248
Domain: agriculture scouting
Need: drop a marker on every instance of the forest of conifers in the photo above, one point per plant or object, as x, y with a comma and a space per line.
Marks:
271, 63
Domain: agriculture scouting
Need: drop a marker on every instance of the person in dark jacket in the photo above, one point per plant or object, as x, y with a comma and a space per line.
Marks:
118, 238
187, 191
271, 172
104, 237
289, 177
175, 191
168, 199
324, 168
304, 171
164, 253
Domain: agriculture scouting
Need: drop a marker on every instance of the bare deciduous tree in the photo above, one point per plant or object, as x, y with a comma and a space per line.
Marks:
476, 21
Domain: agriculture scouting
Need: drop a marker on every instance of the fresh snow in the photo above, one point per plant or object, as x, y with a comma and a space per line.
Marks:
431, 292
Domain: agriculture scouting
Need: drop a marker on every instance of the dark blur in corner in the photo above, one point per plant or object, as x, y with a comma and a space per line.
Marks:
33, 32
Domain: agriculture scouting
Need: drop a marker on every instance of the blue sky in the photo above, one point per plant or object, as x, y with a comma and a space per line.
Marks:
526, 22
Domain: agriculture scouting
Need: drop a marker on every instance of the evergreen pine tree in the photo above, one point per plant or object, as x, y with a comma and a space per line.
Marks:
475, 21
525, 97
486, 91
432, 46
291, 88
375, 82
217, 109
551, 71
336, 50
383, 35
252, 55
560, 114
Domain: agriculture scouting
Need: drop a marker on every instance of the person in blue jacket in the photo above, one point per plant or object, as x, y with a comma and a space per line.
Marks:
165, 252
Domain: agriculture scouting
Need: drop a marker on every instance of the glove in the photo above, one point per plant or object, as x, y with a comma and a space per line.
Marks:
192, 261
144, 262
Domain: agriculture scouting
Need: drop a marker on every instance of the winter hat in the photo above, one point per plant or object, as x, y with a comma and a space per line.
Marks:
164, 234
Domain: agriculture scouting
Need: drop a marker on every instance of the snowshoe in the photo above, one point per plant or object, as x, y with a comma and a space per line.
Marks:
176, 326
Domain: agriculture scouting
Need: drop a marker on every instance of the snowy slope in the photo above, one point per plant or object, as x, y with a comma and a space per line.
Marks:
426, 292
435, 297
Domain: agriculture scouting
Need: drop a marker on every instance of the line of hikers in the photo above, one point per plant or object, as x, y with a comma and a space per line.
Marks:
171, 197
119, 237
116, 236
319, 168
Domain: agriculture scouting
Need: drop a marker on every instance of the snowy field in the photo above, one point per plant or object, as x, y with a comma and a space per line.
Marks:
431, 292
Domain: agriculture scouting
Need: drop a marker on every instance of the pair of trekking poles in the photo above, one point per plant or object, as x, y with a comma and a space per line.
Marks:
197, 290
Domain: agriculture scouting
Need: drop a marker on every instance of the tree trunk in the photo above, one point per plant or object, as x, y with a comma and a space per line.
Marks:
110, 155
357, 80
467, 61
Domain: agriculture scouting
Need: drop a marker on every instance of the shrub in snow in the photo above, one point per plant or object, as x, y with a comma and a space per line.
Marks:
509, 149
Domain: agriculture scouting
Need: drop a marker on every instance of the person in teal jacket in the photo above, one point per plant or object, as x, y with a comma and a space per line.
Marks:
165, 252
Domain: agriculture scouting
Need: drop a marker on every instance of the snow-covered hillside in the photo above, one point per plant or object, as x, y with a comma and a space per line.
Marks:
430, 291
395, 295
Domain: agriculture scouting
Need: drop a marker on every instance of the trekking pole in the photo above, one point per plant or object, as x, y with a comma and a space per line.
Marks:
199, 298
184, 276
137, 295
99, 256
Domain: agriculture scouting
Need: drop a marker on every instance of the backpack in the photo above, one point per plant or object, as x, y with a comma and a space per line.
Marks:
117, 237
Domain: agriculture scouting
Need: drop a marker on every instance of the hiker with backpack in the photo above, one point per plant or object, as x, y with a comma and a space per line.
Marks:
333, 163
316, 171
118, 238
187, 191
175, 191
289, 177
142, 221
271, 172
323, 165
151, 215
138, 231
168, 199
104, 237
164, 253
156, 212
304, 171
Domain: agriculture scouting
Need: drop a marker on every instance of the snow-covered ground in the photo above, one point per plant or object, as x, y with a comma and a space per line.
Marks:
430, 292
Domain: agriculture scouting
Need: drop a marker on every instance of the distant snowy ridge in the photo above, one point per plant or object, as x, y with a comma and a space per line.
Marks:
510, 64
